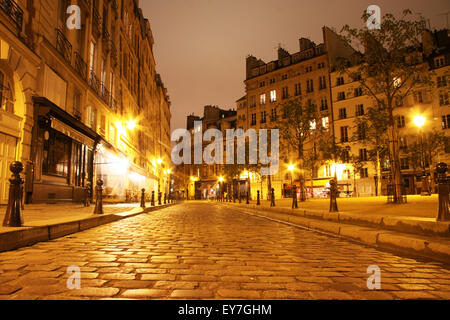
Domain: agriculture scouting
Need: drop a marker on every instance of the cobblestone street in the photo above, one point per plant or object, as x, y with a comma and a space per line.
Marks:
205, 251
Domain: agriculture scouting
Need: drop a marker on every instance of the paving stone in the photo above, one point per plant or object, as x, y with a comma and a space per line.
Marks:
192, 294
145, 293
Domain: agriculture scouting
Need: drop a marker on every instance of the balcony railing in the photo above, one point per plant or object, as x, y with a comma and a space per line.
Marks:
113, 104
94, 83
80, 66
96, 22
12, 10
104, 93
63, 46
106, 39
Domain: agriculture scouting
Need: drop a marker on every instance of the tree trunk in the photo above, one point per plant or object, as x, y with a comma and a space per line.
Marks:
378, 186
395, 167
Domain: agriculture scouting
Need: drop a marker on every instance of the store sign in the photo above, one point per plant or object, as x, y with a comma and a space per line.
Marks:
71, 133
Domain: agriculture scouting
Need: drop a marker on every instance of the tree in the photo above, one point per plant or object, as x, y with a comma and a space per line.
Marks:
299, 124
388, 70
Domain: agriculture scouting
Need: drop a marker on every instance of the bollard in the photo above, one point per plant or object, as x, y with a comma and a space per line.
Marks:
443, 191
159, 198
294, 197
239, 196
248, 199
87, 195
143, 198
13, 216
272, 197
165, 198
99, 198
153, 199
258, 198
333, 196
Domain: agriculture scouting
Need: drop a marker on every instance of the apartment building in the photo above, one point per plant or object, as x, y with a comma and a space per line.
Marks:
85, 103
431, 102
306, 75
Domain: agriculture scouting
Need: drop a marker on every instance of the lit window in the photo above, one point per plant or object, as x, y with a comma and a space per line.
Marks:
273, 96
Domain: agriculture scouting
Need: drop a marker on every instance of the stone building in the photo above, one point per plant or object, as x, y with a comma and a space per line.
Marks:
306, 75
83, 103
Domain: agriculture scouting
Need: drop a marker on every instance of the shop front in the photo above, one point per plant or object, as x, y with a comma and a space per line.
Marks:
62, 155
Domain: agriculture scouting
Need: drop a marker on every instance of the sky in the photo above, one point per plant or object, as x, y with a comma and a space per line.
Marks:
201, 45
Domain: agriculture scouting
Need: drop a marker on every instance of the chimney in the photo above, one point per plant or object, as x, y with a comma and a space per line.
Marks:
305, 44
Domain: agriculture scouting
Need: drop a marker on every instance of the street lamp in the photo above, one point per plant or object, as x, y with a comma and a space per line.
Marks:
419, 122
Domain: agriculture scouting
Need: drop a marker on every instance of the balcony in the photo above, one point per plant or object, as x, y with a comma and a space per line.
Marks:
113, 104
94, 83
80, 66
96, 22
104, 93
13, 11
63, 46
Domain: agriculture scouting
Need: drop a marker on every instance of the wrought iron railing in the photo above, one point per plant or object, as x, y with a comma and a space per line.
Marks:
94, 83
114, 58
104, 93
80, 65
63, 46
12, 9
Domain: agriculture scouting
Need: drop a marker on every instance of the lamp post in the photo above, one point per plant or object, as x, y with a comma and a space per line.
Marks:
220, 187
419, 121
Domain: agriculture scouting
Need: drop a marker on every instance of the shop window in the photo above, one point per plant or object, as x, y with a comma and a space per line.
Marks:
56, 155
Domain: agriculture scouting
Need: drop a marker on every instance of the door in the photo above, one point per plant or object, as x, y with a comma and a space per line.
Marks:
7, 155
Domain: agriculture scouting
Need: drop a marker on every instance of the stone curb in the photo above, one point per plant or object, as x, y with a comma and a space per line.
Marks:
27, 236
424, 227
418, 245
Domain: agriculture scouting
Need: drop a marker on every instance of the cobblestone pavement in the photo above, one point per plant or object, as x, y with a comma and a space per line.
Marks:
205, 251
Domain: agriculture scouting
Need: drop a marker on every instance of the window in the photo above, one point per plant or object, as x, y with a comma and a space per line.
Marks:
358, 92
359, 110
56, 154
274, 115
401, 121
340, 81
362, 154
298, 89
2, 79
324, 104
341, 96
439, 62
344, 134
262, 99
272, 81
403, 143
252, 101
342, 113
404, 163
418, 98
322, 83
76, 104
345, 156
441, 82
92, 57
308, 69
443, 99
361, 131
364, 173
262, 84
263, 117
321, 65
273, 96
446, 121
284, 77
253, 119
325, 122
285, 93
309, 86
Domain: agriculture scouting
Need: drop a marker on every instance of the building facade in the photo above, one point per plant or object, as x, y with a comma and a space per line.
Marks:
87, 102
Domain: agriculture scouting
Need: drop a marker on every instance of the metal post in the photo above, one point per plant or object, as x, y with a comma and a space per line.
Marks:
13, 216
99, 197
159, 198
443, 190
165, 198
258, 198
294, 197
272, 197
153, 199
248, 199
143, 198
333, 196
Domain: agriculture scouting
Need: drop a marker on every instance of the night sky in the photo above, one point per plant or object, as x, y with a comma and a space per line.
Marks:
201, 45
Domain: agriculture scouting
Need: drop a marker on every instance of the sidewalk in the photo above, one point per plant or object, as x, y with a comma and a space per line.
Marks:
416, 206
43, 222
